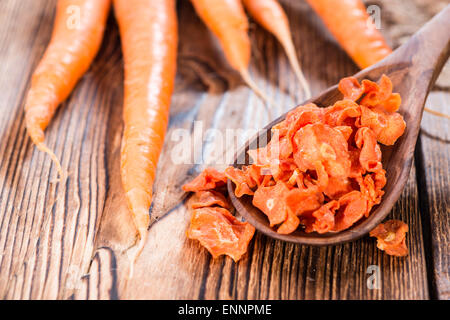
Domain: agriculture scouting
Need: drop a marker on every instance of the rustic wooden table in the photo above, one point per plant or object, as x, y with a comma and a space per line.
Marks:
75, 247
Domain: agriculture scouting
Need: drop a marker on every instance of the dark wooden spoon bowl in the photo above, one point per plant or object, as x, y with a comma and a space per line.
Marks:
413, 69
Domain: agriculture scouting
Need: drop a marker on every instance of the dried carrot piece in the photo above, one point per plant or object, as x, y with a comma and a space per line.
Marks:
324, 216
300, 117
376, 94
352, 207
370, 156
337, 187
356, 170
301, 202
210, 198
209, 179
346, 131
350, 88
379, 179
388, 127
373, 94
319, 143
242, 180
391, 237
369, 192
341, 112
220, 232
271, 201
290, 224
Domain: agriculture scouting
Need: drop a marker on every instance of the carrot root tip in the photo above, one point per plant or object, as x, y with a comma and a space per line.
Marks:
62, 175
293, 59
252, 85
139, 247
304, 84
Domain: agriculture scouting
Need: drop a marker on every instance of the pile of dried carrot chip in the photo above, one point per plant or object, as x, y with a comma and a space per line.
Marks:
321, 172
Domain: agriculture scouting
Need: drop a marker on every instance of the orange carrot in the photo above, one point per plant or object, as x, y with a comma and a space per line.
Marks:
270, 15
76, 38
148, 31
227, 20
348, 21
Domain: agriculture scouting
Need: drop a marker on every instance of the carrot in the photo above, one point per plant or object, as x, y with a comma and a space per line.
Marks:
348, 20
76, 38
270, 15
227, 20
148, 31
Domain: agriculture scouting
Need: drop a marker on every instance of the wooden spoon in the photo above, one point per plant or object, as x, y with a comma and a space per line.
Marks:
413, 69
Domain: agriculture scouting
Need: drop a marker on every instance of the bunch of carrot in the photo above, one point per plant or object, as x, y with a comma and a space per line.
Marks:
148, 29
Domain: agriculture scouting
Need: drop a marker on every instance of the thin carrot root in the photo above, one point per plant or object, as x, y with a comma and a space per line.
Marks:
252, 85
270, 15
139, 246
292, 57
437, 113
61, 174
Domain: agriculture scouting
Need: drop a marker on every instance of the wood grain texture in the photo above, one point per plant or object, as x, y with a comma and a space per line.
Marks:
47, 244
433, 158
76, 247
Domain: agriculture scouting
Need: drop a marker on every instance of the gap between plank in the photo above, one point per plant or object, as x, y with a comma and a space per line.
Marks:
424, 213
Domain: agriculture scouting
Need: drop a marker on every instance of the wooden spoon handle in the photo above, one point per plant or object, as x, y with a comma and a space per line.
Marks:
427, 51
415, 66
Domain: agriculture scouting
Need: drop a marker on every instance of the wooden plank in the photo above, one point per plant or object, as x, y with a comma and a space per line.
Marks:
47, 248
272, 269
48, 229
434, 190
400, 19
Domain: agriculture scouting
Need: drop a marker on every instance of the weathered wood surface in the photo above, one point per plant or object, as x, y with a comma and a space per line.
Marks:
77, 246
432, 156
